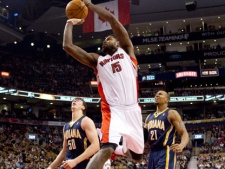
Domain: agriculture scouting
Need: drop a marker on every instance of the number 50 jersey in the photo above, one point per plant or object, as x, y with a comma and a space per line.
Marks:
76, 139
160, 131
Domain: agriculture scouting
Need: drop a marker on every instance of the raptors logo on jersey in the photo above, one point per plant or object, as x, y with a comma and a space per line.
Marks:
116, 75
115, 57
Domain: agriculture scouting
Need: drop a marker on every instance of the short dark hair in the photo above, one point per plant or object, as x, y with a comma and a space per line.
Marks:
84, 103
168, 96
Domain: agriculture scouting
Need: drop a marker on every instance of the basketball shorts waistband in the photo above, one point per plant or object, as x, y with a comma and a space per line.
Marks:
126, 107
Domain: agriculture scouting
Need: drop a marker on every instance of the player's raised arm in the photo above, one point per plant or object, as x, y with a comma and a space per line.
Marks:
117, 28
89, 59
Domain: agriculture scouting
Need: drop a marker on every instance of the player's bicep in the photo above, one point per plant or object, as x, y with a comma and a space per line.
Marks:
123, 38
88, 59
90, 130
175, 119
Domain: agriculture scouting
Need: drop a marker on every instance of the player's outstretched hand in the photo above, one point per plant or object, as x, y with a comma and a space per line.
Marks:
177, 148
86, 2
75, 21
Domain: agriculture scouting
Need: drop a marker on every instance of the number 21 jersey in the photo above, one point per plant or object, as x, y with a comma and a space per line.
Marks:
160, 131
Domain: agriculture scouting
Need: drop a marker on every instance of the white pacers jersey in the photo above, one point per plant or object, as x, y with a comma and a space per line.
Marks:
117, 78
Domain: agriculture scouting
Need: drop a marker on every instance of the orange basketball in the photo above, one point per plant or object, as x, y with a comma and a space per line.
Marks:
76, 9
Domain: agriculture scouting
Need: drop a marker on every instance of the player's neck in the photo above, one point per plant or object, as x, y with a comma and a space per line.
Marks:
111, 53
161, 108
76, 115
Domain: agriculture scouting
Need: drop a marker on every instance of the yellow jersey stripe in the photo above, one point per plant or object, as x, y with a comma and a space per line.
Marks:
72, 122
167, 157
175, 161
167, 135
157, 114
85, 143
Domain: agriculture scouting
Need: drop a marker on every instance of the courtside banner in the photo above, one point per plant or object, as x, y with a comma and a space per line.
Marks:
119, 8
174, 99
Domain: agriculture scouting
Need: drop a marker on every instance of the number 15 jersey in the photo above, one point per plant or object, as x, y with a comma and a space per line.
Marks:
160, 131
117, 78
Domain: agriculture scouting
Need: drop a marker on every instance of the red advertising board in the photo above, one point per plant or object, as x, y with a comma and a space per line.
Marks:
186, 74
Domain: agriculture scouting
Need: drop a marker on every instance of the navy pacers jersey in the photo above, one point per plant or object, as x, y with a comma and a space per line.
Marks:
76, 141
160, 131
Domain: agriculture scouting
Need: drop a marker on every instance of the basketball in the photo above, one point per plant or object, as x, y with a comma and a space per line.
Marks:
76, 9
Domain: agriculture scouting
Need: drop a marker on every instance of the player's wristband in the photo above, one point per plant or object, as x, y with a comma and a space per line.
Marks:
70, 22
87, 4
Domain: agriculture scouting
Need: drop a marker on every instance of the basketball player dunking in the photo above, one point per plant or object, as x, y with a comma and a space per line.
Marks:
162, 127
116, 74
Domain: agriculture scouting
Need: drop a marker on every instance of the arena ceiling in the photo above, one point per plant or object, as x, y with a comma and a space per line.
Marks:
49, 15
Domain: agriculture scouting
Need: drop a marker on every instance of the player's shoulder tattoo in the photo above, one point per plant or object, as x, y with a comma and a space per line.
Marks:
182, 127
